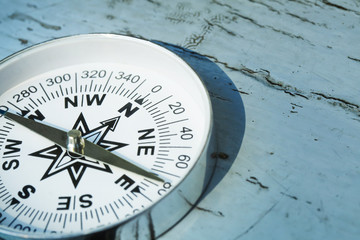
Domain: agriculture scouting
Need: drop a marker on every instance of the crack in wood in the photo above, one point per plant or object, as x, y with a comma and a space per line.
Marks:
22, 17
222, 4
339, 7
196, 39
277, 1
154, 2
235, 12
290, 34
265, 78
306, 3
354, 59
303, 19
151, 226
226, 65
266, 5
136, 230
219, 97
252, 226
258, 75
255, 181
294, 104
242, 92
194, 206
23, 41
216, 21
347, 103
248, 19
220, 155
290, 196
222, 28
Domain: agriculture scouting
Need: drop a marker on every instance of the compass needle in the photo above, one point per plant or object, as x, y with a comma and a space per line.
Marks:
100, 140
90, 149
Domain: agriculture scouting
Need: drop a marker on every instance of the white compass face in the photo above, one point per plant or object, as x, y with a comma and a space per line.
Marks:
154, 120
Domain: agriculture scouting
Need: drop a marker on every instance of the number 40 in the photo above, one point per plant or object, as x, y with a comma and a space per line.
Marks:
186, 133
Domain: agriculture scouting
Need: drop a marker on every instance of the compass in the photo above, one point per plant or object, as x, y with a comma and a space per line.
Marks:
101, 137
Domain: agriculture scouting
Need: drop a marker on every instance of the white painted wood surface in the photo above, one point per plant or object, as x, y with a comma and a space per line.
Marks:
296, 65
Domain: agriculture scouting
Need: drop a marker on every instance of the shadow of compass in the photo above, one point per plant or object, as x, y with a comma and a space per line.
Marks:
228, 111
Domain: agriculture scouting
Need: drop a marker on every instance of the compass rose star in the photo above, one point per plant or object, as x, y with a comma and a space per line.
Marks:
75, 164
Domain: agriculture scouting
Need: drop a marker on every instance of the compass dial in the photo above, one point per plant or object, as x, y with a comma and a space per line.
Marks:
132, 98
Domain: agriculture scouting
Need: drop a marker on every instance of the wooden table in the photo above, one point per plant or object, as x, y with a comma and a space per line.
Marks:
286, 98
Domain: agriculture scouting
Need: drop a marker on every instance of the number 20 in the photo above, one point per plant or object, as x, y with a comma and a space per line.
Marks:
176, 108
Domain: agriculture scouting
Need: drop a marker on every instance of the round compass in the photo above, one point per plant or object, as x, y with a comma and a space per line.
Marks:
101, 137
